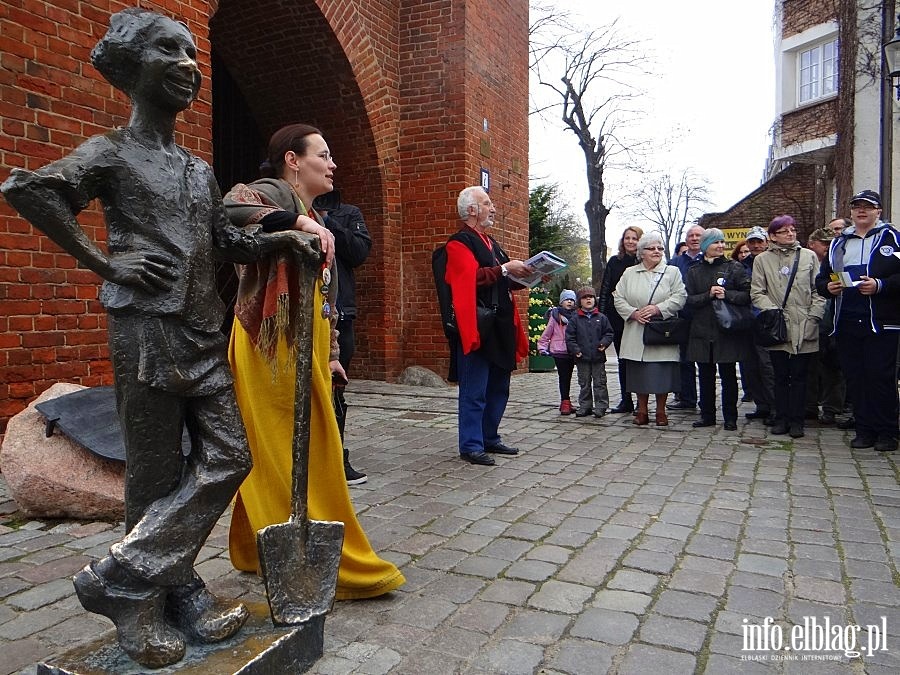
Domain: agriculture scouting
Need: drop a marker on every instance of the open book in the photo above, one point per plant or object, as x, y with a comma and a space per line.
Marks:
542, 263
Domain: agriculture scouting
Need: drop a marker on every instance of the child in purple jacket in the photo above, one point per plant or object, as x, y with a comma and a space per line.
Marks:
553, 343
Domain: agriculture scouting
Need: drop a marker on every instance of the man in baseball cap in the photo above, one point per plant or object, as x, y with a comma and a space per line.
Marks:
756, 371
862, 273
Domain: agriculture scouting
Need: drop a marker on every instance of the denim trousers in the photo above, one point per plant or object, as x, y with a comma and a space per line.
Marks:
483, 393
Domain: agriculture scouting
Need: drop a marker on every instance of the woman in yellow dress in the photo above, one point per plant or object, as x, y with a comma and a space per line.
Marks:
299, 168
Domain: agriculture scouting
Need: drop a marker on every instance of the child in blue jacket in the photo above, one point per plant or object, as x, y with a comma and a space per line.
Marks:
588, 335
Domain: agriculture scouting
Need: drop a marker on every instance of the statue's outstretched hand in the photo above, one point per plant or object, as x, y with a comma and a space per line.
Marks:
151, 272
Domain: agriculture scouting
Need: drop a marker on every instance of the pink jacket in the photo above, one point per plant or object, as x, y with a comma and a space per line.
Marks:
553, 339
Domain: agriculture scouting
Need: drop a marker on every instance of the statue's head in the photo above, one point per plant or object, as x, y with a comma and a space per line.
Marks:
147, 54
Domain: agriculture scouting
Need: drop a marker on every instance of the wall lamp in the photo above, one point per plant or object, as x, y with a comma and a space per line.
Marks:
892, 59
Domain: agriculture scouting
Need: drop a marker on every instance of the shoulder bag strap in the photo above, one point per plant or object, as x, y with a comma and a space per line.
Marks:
661, 275
787, 291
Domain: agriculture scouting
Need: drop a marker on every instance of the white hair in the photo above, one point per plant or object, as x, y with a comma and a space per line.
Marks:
647, 240
467, 198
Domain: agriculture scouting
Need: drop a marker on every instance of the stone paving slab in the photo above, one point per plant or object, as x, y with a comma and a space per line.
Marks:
602, 547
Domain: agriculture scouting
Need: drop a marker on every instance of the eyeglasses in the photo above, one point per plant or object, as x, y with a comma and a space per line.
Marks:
787, 230
863, 206
654, 248
325, 155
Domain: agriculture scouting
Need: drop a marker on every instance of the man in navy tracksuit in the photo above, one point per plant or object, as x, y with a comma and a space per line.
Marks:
867, 318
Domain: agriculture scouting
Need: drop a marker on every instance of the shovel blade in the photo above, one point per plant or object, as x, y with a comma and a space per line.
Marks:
299, 562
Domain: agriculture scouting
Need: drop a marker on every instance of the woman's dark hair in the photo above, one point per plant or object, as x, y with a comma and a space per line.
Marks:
292, 137
778, 222
736, 253
634, 228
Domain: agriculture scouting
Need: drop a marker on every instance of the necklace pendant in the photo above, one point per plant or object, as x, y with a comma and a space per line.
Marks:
326, 276
326, 310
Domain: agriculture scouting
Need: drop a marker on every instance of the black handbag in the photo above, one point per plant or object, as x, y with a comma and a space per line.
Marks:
733, 318
770, 328
671, 331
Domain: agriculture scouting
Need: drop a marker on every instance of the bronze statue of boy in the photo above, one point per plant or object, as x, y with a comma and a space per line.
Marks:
165, 223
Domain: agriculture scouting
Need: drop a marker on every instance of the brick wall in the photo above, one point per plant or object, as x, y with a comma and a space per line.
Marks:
802, 14
815, 121
399, 88
789, 192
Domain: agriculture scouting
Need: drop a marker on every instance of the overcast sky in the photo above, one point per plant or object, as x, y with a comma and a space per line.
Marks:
709, 105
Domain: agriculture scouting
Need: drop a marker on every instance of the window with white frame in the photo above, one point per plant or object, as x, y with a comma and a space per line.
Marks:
818, 72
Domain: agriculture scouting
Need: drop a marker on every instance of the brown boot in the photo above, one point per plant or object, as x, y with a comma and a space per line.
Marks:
661, 419
642, 417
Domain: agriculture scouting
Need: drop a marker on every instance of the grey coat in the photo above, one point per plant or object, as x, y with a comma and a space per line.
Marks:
805, 307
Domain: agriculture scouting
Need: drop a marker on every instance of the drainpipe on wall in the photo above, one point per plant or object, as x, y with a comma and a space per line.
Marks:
886, 184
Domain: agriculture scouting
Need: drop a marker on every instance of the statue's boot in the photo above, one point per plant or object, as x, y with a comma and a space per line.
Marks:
136, 608
201, 616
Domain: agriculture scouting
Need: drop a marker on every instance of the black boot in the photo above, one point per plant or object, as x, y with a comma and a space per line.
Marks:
353, 476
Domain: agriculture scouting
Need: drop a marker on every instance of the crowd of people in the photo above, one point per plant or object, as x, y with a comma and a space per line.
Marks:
836, 362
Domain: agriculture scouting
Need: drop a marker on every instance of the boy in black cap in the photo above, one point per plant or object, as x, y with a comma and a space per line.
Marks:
862, 273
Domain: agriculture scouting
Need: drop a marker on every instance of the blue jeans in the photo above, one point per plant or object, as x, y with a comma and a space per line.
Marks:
483, 393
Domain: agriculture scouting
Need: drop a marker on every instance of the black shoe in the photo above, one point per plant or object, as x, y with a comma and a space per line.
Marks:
811, 414
796, 431
862, 441
583, 413
623, 407
757, 414
353, 476
886, 444
730, 426
779, 428
703, 423
746, 398
827, 418
478, 458
770, 421
501, 449
847, 423
680, 405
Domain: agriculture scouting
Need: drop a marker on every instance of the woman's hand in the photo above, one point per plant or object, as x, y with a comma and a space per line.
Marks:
645, 314
326, 239
338, 374
717, 292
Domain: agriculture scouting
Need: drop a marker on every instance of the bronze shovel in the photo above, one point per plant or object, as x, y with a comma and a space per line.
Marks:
300, 558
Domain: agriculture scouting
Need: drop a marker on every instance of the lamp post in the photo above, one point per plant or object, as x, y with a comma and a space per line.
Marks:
890, 92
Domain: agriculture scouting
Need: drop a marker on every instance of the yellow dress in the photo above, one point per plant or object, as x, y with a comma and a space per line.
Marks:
267, 408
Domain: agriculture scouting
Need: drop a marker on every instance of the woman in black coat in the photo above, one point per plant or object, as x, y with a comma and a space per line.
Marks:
716, 277
615, 268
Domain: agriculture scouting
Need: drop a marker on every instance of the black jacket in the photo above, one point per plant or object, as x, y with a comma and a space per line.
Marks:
352, 244
883, 265
586, 332
707, 343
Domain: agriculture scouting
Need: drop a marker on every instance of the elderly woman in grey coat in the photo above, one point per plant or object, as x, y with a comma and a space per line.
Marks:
802, 313
647, 290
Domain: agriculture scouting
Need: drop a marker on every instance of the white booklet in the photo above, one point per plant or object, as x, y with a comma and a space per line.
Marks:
542, 263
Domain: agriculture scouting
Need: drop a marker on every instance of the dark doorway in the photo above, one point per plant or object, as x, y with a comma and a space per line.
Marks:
237, 152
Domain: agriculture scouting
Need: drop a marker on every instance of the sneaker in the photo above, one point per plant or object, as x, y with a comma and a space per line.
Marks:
599, 413
353, 476
583, 413
779, 428
886, 444
565, 408
847, 423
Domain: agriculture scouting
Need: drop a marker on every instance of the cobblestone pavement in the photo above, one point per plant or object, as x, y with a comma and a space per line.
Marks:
602, 547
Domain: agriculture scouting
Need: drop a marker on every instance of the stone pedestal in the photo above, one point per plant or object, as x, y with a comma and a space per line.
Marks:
258, 649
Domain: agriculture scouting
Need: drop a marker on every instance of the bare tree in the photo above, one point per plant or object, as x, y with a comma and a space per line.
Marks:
672, 202
588, 72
